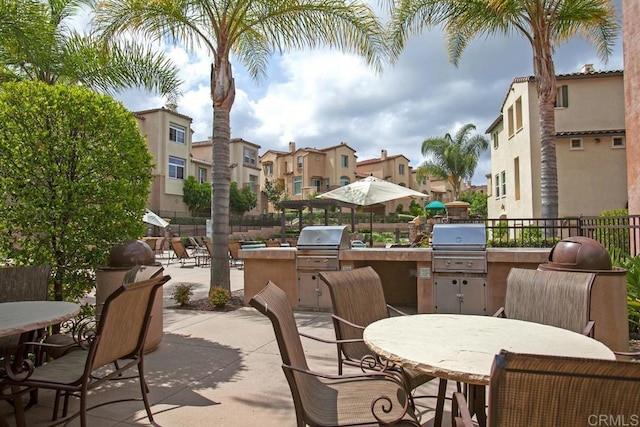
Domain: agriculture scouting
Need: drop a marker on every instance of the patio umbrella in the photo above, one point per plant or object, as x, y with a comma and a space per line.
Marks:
435, 205
153, 219
371, 191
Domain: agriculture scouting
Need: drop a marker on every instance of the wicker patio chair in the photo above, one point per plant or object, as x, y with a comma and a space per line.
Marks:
555, 298
181, 253
358, 300
116, 346
331, 400
533, 390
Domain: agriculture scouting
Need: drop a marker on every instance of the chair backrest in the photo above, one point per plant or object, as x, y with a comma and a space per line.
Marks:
195, 243
554, 391
272, 302
358, 297
209, 247
234, 247
24, 283
140, 273
555, 298
179, 249
124, 322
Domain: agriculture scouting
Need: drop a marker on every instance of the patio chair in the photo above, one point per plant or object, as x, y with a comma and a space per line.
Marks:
331, 400
234, 260
116, 346
358, 300
534, 390
555, 298
181, 253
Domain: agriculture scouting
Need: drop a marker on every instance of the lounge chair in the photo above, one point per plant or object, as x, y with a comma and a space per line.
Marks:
181, 253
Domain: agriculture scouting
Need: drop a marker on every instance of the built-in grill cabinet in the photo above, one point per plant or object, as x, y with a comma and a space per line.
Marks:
459, 263
318, 250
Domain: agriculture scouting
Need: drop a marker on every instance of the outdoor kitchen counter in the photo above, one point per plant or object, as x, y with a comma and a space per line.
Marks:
405, 272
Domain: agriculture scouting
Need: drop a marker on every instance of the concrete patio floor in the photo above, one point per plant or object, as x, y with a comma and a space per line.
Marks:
212, 368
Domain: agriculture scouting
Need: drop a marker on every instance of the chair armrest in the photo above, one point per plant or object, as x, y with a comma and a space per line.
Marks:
395, 310
499, 313
460, 415
340, 319
326, 341
588, 330
627, 355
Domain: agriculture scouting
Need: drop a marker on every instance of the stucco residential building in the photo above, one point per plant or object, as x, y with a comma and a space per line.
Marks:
590, 147
168, 136
304, 172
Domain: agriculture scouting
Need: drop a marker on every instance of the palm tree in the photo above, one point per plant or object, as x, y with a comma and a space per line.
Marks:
453, 159
38, 42
250, 31
544, 23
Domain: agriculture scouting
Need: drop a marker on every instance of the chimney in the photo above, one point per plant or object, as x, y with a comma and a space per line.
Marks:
587, 68
292, 147
383, 155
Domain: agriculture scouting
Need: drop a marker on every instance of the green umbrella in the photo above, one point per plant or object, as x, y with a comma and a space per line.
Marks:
435, 205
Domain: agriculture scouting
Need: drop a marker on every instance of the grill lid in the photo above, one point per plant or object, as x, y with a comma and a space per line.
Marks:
323, 237
463, 237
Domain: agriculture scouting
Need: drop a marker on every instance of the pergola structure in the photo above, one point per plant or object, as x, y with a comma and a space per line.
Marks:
311, 204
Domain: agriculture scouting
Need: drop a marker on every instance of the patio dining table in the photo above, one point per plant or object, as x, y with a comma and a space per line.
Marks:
462, 347
26, 316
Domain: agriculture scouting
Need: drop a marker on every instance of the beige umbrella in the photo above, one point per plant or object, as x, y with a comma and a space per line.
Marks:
371, 191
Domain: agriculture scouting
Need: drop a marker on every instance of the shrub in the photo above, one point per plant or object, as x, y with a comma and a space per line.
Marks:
218, 296
182, 294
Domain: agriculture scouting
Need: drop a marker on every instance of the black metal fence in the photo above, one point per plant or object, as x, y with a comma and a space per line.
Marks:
619, 234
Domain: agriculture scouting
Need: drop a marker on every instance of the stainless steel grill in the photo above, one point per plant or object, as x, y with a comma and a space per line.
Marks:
459, 265
318, 250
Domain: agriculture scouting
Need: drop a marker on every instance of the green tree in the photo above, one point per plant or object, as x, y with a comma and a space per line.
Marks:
274, 191
545, 24
416, 208
37, 42
453, 159
241, 201
477, 203
195, 195
74, 177
250, 31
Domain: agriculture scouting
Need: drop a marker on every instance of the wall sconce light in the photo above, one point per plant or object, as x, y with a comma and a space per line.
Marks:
597, 140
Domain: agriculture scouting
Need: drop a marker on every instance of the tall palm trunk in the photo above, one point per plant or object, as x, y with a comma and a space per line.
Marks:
546, 87
223, 94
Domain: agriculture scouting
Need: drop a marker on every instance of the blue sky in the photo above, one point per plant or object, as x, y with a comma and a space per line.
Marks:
321, 98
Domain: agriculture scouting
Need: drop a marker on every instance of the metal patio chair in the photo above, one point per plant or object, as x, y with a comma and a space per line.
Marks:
180, 252
331, 400
358, 300
534, 390
116, 346
555, 298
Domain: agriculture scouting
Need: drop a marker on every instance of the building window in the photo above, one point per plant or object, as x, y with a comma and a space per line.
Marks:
516, 177
518, 114
576, 144
297, 185
497, 186
268, 169
300, 161
249, 156
253, 183
618, 142
510, 124
176, 167
494, 138
316, 182
562, 97
177, 133
202, 175
503, 176
344, 161
400, 169
344, 180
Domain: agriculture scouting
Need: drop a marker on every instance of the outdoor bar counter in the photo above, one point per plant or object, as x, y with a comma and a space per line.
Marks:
406, 273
